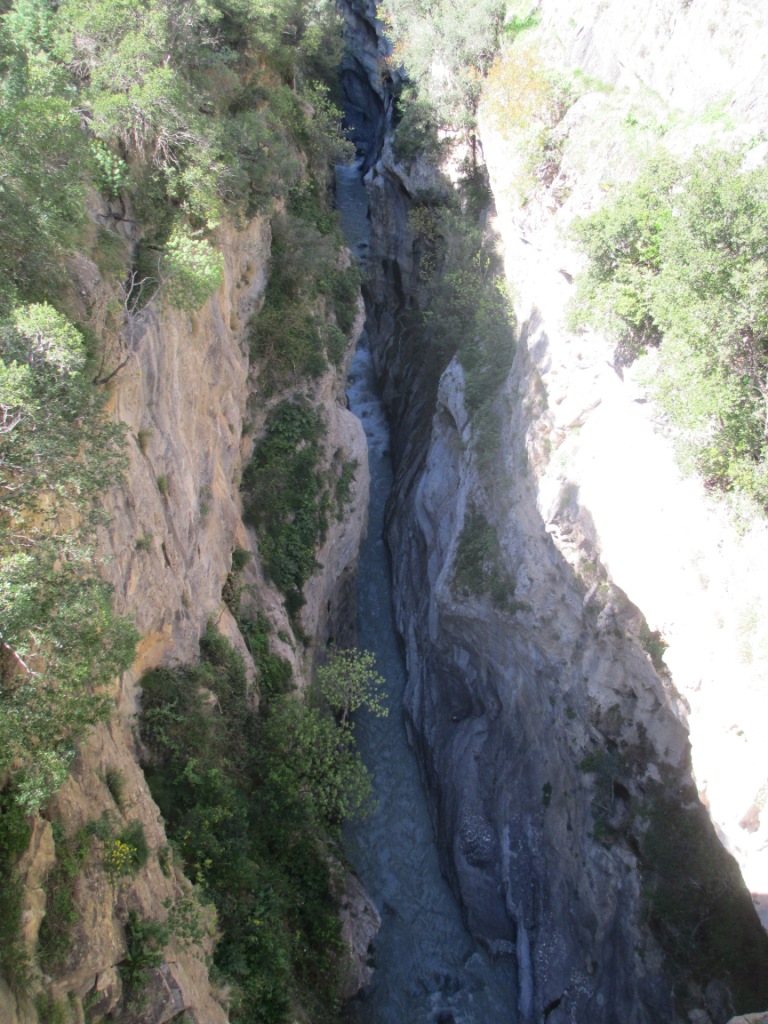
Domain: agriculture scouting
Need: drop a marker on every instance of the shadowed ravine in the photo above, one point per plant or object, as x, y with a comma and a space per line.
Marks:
428, 967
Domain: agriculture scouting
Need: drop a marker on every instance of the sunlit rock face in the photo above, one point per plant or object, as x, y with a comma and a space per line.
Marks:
190, 399
700, 56
681, 75
554, 742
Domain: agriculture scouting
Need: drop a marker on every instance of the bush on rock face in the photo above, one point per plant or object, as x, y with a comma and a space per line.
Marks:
678, 259
194, 269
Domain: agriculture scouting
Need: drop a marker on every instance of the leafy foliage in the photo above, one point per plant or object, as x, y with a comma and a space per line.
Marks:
446, 49
696, 901
112, 173
60, 643
174, 84
349, 681
46, 398
191, 109
678, 258
523, 94
248, 800
478, 566
284, 496
466, 307
188, 112
61, 913
145, 945
43, 155
275, 676
61, 648
206, 103
416, 131
14, 837
524, 100
125, 853
195, 269
311, 298
343, 488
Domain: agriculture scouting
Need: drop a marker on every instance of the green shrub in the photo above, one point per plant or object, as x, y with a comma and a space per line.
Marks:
143, 437
478, 566
59, 606
112, 174
232, 590
348, 681
466, 305
240, 558
518, 23
127, 852
696, 901
46, 388
54, 1011
654, 646
102, 828
62, 644
310, 303
14, 839
343, 489
145, 948
115, 783
460, 38
193, 270
61, 914
416, 131
677, 260
275, 676
248, 802
344, 289
285, 498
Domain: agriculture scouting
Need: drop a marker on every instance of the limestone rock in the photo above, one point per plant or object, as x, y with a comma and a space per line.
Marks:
329, 592
511, 707
606, 479
360, 922
33, 871
173, 524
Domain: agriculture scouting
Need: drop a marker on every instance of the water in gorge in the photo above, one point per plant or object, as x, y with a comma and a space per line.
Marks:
428, 967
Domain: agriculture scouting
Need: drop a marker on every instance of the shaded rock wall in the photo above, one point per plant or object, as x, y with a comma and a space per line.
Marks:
550, 743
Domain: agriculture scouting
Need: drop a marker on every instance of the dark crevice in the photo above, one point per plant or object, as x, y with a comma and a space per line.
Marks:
551, 1007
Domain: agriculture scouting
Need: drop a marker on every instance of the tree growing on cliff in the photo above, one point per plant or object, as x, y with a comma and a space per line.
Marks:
446, 49
679, 259
60, 643
348, 682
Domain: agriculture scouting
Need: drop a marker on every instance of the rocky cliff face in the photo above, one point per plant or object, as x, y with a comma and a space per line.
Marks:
554, 741
189, 396
689, 77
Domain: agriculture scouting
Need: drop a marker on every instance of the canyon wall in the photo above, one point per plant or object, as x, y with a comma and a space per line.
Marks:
190, 398
555, 742
691, 75
566, 762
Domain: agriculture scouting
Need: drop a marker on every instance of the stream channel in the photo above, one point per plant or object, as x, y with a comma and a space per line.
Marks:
429, 969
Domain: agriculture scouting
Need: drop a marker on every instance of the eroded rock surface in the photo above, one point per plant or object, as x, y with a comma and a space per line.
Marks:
554, 742
167, 548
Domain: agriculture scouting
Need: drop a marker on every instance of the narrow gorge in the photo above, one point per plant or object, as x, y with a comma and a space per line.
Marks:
399, 442
554, 743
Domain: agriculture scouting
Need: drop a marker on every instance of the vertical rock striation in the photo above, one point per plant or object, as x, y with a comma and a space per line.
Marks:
552, 739
189, 396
